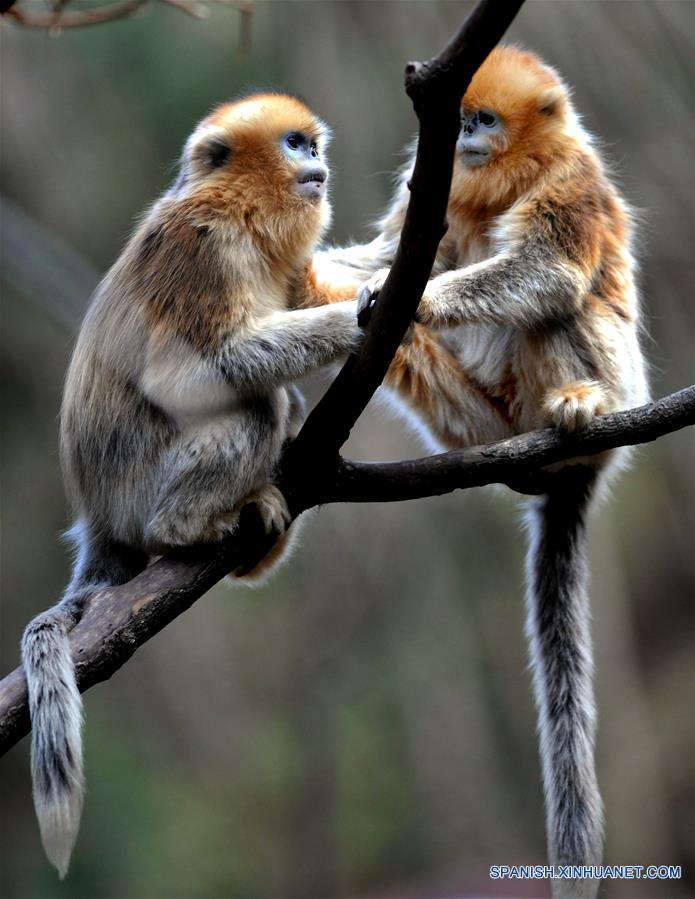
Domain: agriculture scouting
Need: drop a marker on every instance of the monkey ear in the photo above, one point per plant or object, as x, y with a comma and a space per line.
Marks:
552, 101
215, 152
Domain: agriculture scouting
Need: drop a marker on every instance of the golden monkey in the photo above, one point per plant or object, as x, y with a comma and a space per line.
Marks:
530, 319
180, 392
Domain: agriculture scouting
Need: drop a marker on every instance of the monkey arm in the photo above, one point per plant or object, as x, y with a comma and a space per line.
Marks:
285, 346
525, 289
320, 284
547, 254
357, 262
335, 275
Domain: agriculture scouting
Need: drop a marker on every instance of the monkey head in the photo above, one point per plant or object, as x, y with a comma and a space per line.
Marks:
257, 163
513, 117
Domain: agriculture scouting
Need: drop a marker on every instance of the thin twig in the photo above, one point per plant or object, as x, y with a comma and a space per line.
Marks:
190, 7
57, 18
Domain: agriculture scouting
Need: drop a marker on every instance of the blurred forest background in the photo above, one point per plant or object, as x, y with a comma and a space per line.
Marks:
363, 726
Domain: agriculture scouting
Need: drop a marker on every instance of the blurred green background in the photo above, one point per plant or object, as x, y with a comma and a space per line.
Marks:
362, 726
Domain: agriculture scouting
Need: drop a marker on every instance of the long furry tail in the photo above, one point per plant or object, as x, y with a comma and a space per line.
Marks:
558, 629
55, 707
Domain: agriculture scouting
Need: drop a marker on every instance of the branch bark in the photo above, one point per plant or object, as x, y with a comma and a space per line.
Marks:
119, 620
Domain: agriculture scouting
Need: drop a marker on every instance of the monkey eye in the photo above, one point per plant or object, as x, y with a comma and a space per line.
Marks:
487, 118
294, 141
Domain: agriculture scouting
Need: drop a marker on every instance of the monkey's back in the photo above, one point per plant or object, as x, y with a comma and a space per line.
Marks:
112, 438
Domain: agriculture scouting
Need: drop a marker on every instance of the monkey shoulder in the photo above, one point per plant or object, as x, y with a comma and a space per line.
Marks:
574, 219
182, 280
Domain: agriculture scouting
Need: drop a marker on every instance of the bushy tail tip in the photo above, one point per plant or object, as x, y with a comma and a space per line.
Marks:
59, 822
55, 707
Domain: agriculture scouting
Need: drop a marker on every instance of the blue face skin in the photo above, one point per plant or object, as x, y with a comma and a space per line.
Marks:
312, 174
474, 144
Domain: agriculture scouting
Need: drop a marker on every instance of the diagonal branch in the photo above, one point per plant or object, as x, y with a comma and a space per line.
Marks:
436, 88
120, 619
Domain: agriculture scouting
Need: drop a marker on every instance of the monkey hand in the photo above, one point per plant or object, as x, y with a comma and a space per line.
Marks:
353, 329
368, 295
367, 299
272, 507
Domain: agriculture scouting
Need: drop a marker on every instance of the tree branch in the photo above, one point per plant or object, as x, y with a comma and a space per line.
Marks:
512, 462
436, 88
120, 619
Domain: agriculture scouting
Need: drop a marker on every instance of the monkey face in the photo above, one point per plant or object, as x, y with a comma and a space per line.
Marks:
255, 164
480, 134
264, 149
514, 117
311, 174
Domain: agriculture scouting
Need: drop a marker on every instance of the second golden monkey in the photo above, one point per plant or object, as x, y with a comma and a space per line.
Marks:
530, 319
180, 392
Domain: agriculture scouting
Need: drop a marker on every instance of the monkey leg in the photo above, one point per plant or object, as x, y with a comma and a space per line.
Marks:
209, 475
455, 409
572, 407
272, 508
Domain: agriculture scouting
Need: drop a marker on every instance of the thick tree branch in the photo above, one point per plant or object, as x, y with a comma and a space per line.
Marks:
119, 620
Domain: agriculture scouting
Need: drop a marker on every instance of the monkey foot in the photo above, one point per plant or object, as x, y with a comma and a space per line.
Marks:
573, 406
272, 508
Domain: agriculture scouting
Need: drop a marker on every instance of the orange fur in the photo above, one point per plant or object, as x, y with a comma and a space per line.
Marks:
543, 188
254, 188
